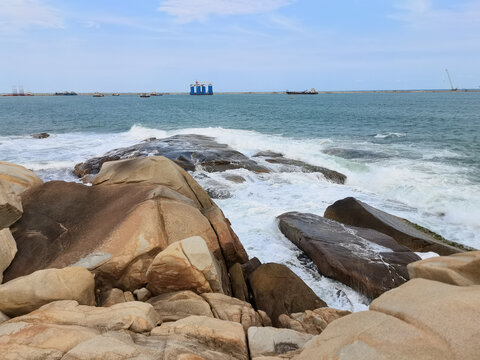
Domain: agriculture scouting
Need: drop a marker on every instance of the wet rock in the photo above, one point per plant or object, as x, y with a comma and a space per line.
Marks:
457, 269
8, 249
278, 290
18, 177
311, 321
42, 135
355, 154
354, 212
269, 341
235, 178
270, 154
10, 205
216, 193
27, 293
188, 151
184, 265
134, 316
178, 305
364, 259
291, 165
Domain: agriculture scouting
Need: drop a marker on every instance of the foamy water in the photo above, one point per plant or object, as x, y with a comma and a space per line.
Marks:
434, 194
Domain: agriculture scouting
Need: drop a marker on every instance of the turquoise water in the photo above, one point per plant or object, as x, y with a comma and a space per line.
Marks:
413, 155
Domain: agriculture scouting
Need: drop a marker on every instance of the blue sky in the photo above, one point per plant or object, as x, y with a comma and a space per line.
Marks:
242, 45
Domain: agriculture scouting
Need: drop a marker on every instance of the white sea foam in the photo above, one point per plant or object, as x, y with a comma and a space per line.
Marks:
408, 182
389, 135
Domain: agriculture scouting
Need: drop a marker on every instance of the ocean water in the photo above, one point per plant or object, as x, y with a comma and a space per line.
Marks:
413, 155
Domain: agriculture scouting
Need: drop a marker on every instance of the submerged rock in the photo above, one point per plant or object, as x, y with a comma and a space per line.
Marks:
291, 165
354, 212
42, 135
355, 154
188, 151
278, 290
364, 259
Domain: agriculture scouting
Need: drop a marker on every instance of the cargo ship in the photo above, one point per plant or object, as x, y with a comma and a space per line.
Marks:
97, 94
66, 93
306, 92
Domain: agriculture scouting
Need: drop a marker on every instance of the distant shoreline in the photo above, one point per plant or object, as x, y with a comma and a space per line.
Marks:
276, 92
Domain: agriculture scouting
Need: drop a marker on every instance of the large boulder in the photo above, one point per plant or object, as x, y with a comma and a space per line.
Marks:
239, 285
114, 231
231, 309
269, 341
223, 336
278, 290
311, 321
27, 293
8, 249
421, 319
351, 211
185, 265
134, 316
10, 205
18, 177
188, 151
178, 305
457, 269
364, 259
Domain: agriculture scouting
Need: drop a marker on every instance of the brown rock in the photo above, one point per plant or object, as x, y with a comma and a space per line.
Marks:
457, 269
18, 177
250, 266
269, 341
42, 135
224, 336
142, 294
112, 297
311, 321
10, 206
179, 305
128, 295
3, 317
353, 212
184, 265
27, 293
8, 249
364, 259
239, 286
134, 316
231, 309
277, 290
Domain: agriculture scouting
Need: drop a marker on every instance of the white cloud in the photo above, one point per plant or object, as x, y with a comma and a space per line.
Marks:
415, 6
192, 10
17, 15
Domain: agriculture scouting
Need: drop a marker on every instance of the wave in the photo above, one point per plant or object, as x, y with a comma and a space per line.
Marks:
389, 135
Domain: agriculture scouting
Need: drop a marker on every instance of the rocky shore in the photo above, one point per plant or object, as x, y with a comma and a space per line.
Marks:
140, 263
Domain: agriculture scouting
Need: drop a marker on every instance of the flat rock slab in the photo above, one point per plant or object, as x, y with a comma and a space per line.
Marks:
291, 165
188, 151
351, 211
364, 259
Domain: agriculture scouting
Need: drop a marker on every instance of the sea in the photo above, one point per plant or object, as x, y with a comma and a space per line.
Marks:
415, 155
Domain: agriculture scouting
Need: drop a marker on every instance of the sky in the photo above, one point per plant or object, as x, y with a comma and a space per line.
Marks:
239, 45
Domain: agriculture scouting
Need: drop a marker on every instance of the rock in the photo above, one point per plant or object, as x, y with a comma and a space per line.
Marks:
42, 135
27, 293
24, 341
218, 193
351, 211
422, 319
179, 305
115, 231
374, 336
290, 165
311, 321
355, 154
266, 321
8, 249
188, 151
128, 296
10, 206
3, 317
18, 177
155, 170
250, 266
142, 294
134, 316
223, 336
232, 249
268, 341
239, 286
234, 310
184, 265
112, 297
277, 290
364, 259
458, 269
235, 178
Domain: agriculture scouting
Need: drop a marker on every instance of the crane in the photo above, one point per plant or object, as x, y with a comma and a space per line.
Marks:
450, 80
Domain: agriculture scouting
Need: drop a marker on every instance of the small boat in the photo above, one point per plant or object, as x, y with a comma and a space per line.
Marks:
306, 92
144, 95
97, 94
115, 94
